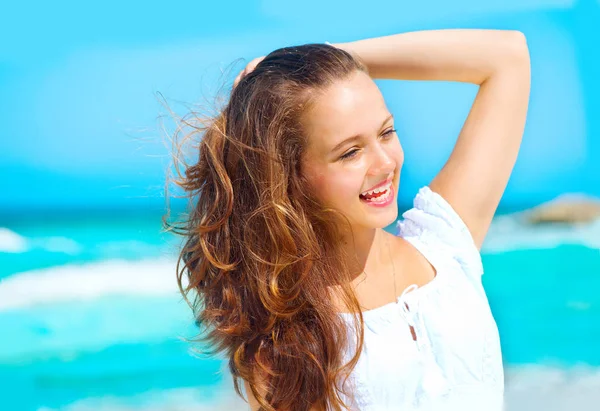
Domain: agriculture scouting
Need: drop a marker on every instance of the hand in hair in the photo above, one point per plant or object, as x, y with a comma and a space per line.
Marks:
249, 67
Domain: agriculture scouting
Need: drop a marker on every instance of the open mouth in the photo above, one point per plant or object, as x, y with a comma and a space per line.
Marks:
379, 195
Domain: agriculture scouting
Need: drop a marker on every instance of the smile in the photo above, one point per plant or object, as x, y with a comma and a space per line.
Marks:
379, 193
377, 198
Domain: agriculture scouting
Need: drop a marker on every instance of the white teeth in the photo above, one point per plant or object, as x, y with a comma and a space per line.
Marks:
381, 199
378, 190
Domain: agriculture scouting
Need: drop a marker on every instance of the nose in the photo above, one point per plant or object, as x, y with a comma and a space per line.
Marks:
382, 163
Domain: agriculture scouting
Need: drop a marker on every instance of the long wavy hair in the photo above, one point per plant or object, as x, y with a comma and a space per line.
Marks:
261, 254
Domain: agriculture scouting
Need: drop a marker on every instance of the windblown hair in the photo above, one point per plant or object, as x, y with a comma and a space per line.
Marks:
261, 253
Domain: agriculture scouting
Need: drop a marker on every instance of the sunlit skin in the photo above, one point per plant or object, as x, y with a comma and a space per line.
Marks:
354, 107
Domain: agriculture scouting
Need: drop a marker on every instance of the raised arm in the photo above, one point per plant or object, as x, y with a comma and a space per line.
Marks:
477, 172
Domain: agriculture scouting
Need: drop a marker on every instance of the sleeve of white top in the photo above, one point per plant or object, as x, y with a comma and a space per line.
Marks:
433, 220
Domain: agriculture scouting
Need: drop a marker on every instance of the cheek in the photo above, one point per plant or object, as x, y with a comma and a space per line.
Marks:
340, 188
335, 189
318, 182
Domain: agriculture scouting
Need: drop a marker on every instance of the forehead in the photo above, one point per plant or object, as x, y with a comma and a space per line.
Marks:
348, 107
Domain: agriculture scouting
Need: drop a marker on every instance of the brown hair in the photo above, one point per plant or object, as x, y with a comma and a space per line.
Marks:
261, 253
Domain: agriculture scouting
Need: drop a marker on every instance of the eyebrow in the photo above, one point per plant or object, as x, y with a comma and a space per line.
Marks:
356, 137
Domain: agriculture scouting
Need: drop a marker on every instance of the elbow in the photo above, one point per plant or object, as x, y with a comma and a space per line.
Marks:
516, 48
512, 59
519, 63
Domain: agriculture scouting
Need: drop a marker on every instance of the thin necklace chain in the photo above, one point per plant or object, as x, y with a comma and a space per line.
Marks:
393, 271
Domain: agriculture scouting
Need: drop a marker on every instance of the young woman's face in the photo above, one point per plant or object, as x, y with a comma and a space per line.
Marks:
352, 147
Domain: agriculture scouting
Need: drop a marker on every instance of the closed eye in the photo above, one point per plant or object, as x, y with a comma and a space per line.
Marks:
350, 154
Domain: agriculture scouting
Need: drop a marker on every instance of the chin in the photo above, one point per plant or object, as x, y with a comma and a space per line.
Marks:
382, 221
386, 222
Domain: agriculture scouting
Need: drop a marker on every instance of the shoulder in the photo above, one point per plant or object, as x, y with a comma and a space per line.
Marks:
432, 212
434, 224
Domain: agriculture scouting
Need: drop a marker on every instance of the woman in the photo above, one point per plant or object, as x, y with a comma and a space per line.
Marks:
315, 305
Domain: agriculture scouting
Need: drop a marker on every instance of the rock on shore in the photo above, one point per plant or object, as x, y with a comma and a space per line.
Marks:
566, 208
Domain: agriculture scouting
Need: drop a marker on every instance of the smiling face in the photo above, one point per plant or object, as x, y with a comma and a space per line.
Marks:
352, 147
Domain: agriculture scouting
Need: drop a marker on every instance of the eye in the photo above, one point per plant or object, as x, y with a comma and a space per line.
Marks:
389, 133
349, 154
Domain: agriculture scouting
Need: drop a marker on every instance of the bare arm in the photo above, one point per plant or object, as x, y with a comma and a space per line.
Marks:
477, 172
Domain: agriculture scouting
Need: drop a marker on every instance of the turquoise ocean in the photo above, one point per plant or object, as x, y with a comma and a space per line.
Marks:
91, 317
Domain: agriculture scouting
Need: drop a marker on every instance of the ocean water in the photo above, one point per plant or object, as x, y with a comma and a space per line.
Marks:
91, 317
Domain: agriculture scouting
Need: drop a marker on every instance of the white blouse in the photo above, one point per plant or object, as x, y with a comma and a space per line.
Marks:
455, 362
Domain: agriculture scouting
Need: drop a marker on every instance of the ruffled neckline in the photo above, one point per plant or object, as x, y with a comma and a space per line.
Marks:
389, 310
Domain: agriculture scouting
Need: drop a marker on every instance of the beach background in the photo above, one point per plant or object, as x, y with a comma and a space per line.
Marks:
90, 315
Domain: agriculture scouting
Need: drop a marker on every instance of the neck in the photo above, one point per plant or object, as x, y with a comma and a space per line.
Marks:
367, 250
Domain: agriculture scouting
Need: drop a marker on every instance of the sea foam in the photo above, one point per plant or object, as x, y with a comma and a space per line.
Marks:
528, 387
510, 232
11, 242
151, 277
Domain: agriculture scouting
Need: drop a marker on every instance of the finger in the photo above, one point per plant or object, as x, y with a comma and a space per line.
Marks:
239, 77
249, 67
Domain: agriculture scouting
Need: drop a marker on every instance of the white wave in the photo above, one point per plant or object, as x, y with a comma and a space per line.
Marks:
528, 387
549, 388
88, 281
510, 232
11, 242
57, 245
176, 399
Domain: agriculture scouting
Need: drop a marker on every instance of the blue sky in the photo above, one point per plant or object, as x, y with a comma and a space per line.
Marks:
79, 88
